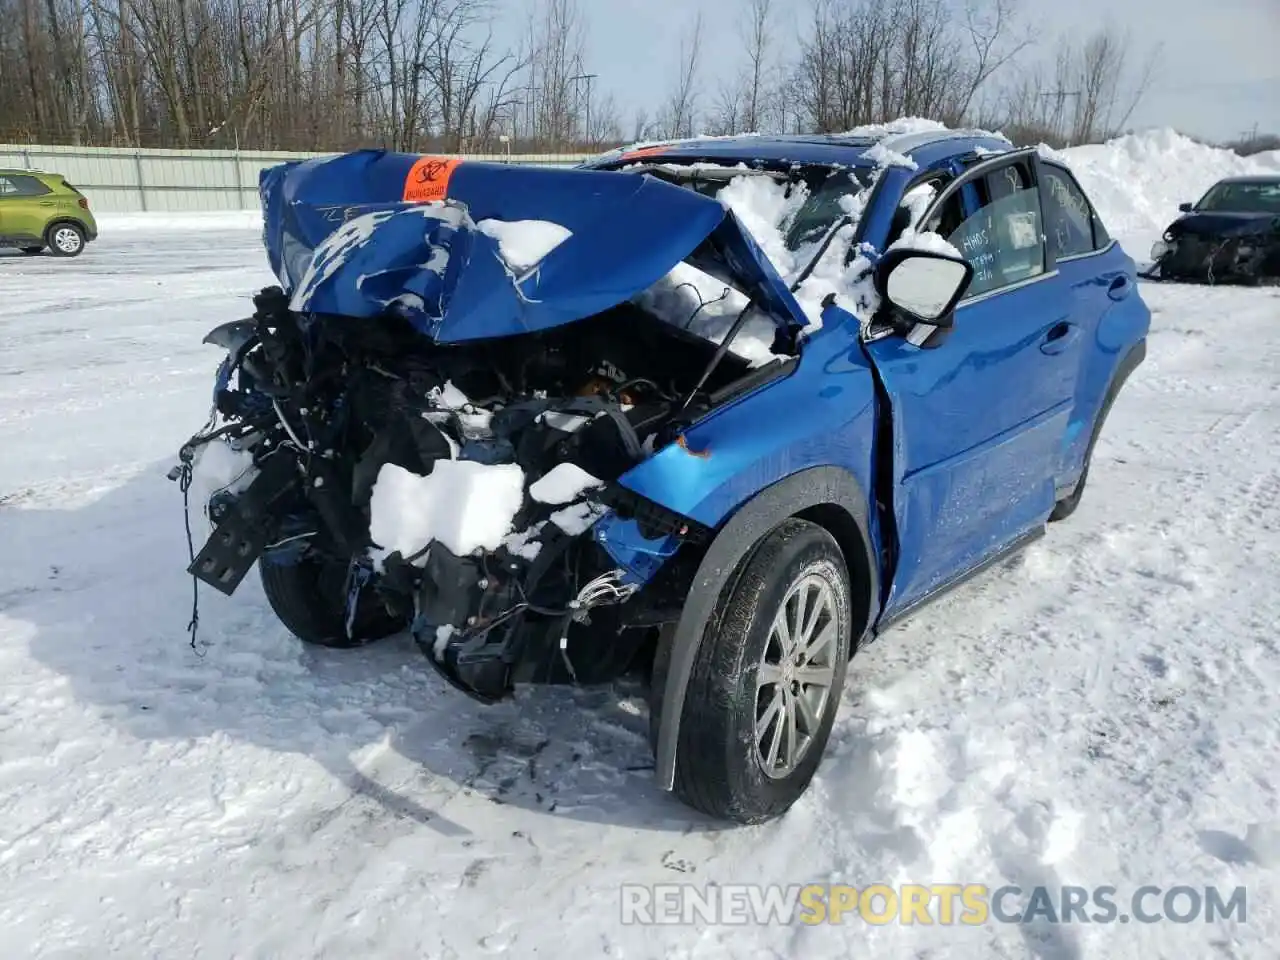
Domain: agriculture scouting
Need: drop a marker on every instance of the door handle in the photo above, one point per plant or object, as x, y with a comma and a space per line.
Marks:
1119, 288
1059, 338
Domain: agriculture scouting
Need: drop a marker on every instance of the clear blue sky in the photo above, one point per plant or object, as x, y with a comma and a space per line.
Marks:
1218, 75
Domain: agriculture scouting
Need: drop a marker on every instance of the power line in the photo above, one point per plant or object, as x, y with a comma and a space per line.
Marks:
588, 77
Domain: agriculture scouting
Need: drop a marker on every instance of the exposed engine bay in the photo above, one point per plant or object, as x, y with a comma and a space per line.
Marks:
430, 423
329, 413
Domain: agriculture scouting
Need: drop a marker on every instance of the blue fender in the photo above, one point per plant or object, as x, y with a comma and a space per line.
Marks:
814, 487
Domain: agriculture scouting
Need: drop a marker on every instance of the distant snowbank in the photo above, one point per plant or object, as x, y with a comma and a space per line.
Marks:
1138, 180
194, 220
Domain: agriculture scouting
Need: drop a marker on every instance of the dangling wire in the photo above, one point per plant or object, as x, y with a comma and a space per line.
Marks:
184, 484
702, 304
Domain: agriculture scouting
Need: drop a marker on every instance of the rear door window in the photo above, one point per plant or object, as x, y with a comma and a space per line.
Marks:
21, 185
1072, 226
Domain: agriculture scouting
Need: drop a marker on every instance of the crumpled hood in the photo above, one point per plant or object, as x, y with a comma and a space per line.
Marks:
1222, 223
371, 231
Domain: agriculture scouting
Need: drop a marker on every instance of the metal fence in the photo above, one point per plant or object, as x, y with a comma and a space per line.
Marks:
122, 179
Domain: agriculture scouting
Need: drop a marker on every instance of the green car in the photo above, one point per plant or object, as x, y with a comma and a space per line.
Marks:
39, 210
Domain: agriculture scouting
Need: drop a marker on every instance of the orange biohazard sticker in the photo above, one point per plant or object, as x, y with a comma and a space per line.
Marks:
428, 179
646, 151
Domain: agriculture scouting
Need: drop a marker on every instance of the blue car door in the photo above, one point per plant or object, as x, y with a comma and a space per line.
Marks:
1102, 281
979, 420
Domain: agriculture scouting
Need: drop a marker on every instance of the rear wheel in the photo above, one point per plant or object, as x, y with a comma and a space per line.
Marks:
65, 240
309, 597
767, 680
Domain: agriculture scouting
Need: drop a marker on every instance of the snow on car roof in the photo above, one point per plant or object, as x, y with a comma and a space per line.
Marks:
922, 141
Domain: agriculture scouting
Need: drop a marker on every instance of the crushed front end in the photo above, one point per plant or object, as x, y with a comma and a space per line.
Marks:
418, 430
1223, 249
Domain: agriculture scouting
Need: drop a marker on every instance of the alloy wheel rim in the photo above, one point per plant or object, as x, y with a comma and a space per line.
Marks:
793, 681
66, 240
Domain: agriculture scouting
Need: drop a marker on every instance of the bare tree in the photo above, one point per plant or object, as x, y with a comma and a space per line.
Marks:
680, 110
1086, 93
865, 61
759, 31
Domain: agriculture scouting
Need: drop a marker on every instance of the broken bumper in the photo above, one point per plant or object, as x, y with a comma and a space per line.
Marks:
1197, 259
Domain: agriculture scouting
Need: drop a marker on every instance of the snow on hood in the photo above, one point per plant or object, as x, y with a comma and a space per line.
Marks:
557, 244
524, 243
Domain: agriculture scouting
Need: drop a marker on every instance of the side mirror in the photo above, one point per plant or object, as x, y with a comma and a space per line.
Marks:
923, 284
1184, 207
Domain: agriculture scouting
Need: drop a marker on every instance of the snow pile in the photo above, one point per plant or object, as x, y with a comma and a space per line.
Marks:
1137, 181
895, 128
882, 156
524, 243
763, 207
463, 504
563, 483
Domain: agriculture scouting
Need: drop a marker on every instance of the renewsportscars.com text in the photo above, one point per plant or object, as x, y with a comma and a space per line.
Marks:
970, 904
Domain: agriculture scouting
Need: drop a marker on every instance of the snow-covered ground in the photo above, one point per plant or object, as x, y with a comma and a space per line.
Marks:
1103, 710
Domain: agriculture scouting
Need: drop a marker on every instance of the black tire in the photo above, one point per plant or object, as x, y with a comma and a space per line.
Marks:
65, 240
720, 769
32, 251
308, 598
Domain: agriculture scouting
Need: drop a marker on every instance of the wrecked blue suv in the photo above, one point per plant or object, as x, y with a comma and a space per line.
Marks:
720, 410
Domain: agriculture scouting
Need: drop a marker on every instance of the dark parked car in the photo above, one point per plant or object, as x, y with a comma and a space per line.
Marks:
1232, 235
463, 413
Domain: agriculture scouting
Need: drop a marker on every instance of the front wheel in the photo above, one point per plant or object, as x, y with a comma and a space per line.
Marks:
66, 240
767, 680
309, 597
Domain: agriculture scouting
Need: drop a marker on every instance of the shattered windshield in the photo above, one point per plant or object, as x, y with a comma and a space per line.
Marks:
816, 197
827, 203
1243, 198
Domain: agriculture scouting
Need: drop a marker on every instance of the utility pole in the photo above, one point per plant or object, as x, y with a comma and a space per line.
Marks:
587, 77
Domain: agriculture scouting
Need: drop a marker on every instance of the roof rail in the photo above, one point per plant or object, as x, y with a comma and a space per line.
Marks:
904, 143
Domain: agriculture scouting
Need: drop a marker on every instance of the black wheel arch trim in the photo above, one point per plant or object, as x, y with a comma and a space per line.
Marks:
66, 222
1128, 363
815, 487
